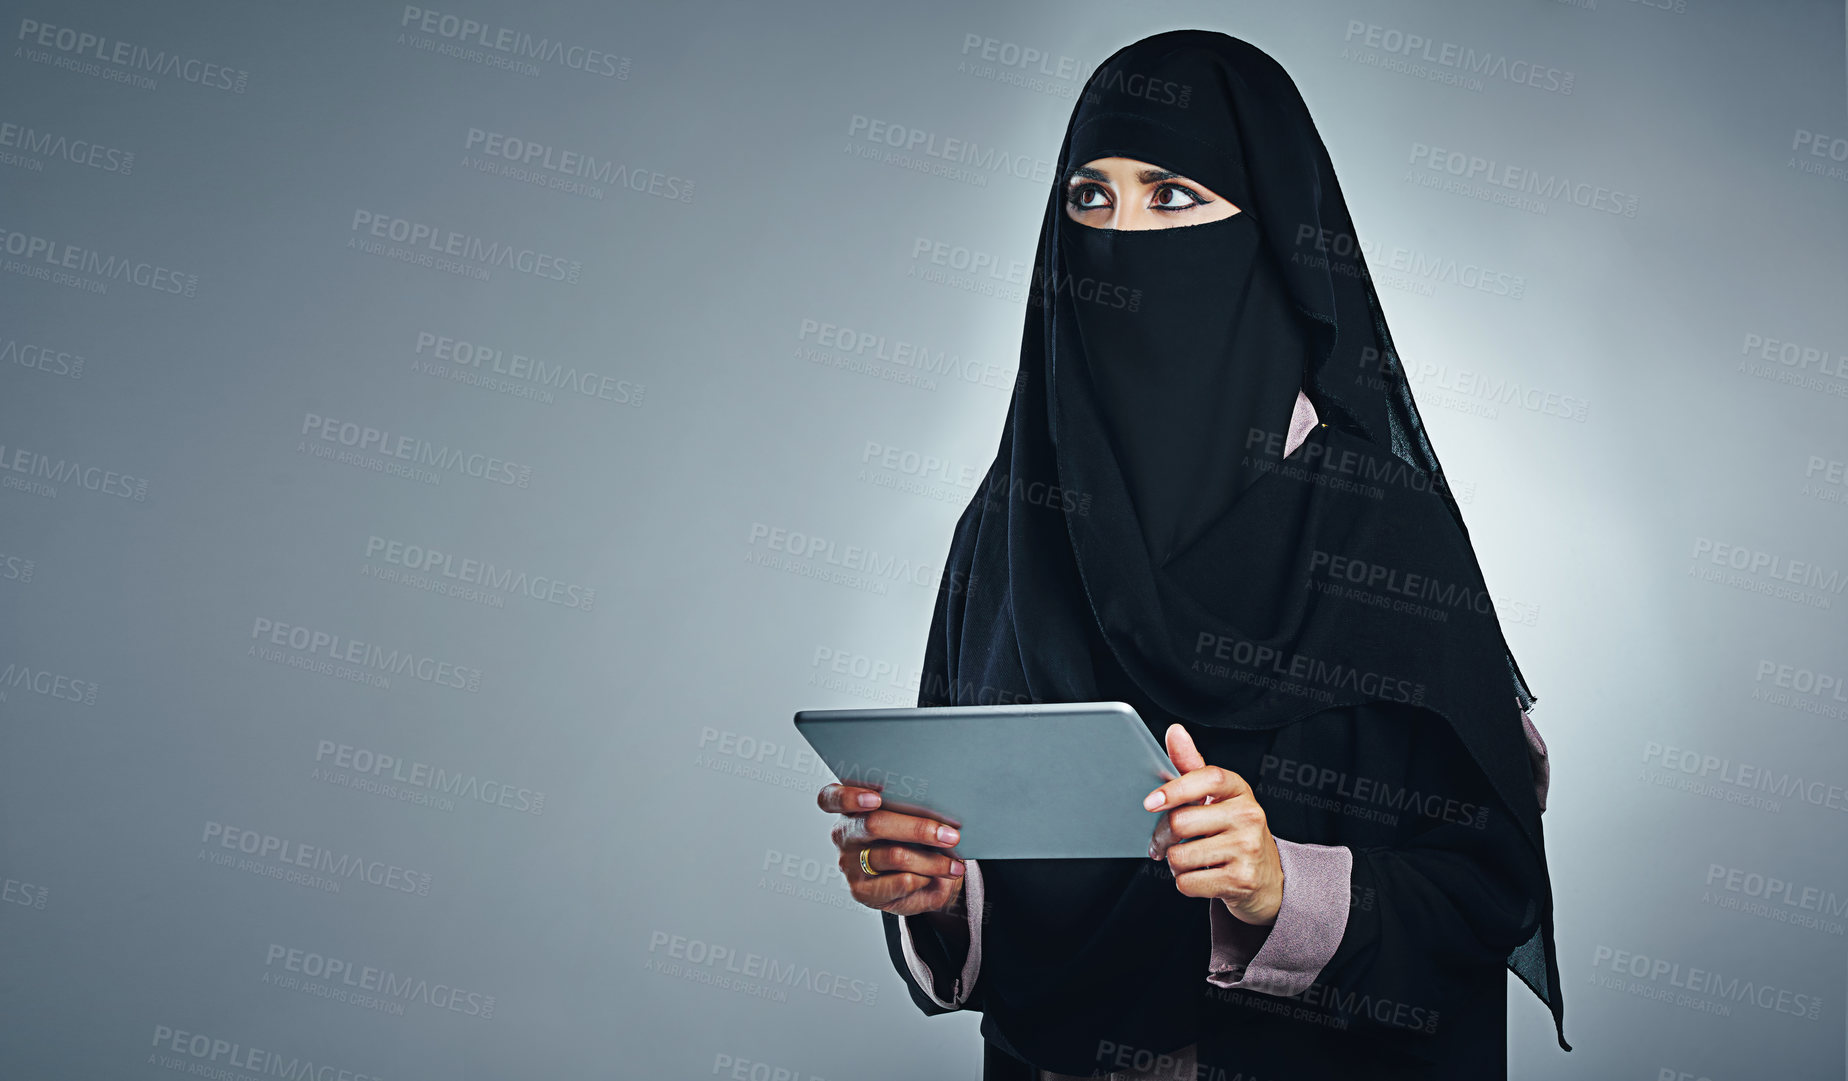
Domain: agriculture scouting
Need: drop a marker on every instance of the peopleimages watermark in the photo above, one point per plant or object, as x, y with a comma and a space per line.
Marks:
1756, 893
1797, 580
1502, 181
1459, 65
14, 891
308, 645
800, 878
893, 359
462, 253
88, 269
1026, 58
215, 1057
1363, 796
1480, 392
37, 473
1361, 473
1333, 1006
1806, 690
1781, 360
788, 765
1795, 355
129, 62
16, 568
812, 555
1099, 291
972, 260
975, 271
1033, 493
396, 777
1403, 584
39, 357
1292, 672
575, 171
738, 1068
315, 861
1824, 478
366, 986
1671, 981
506, 47
419, 452
748, 972
47, 684
948, 149
30, 147
934, 689
1832, 150
921, 465
878, 680
1136, 84
1352, 254
460, 571
1742, 780
494, 368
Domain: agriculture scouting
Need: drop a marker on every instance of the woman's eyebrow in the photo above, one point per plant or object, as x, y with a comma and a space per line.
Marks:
1146, 176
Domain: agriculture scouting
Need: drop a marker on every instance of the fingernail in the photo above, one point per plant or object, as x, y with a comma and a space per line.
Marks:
868, 799
1151, 850
947, 835
1155, 799
956, 867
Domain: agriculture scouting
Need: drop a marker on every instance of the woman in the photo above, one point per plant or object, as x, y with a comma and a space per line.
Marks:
1255, 547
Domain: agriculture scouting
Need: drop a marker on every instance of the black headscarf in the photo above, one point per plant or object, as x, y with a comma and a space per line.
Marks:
1140, 515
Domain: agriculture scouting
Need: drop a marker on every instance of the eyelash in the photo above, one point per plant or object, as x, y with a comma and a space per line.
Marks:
1073, 193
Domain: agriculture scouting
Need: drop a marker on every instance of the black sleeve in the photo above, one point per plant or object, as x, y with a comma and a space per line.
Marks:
1457, 889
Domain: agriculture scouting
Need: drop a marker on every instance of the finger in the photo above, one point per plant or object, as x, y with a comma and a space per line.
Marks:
1238, 817
1160, 839
1181, 750
887, 858
1194, 820
1228, 851
1195, 785
1184, 753
895, 826
881, 891
846, 798
1203, 883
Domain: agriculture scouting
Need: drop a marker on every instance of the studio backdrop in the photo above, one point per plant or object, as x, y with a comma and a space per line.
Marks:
440, 447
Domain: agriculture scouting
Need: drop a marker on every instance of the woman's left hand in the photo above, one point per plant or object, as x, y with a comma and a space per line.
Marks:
1215, 836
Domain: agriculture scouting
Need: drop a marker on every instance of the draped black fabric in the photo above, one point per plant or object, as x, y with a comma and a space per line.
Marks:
1092, 965
1142, 537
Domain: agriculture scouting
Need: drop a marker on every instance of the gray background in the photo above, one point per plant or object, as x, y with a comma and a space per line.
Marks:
670, 908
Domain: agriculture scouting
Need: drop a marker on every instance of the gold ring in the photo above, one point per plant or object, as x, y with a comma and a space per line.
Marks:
867, 867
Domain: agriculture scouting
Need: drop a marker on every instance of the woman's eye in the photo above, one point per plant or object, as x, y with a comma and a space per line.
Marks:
1088, 197
1175, 197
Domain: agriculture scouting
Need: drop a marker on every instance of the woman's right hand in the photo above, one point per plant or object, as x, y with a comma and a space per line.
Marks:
914, 856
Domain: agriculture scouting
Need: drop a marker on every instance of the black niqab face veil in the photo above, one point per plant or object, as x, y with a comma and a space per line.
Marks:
1141, 521
1205, 349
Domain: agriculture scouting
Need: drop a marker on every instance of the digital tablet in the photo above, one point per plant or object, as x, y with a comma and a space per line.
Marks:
1031, 781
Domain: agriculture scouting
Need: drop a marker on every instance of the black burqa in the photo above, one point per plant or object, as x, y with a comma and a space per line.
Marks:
1142, 536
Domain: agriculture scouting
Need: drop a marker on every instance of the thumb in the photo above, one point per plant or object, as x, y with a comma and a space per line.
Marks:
1181, 750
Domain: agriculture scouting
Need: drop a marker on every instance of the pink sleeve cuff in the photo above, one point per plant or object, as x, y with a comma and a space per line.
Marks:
965, 982
1286, 957
1302, 418
1536, 755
